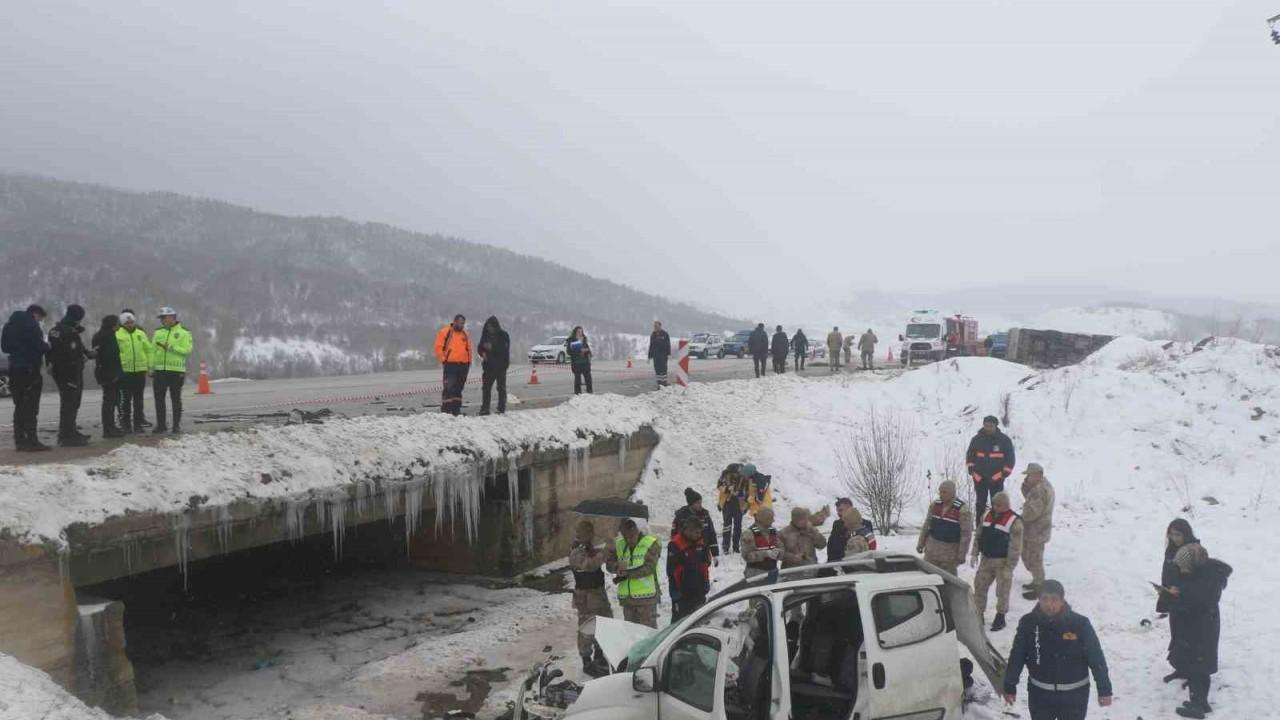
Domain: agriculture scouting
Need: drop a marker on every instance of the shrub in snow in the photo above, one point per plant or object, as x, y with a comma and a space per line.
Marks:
877, 463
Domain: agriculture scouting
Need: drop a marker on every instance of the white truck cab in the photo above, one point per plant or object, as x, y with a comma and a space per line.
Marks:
876, 636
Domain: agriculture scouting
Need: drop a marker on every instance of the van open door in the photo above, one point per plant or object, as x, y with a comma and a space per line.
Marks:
908, 637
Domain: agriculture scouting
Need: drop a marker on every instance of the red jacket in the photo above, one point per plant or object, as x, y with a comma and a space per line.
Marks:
689, 567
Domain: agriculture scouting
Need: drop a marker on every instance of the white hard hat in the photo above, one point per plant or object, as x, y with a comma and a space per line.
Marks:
166, 310
127, 317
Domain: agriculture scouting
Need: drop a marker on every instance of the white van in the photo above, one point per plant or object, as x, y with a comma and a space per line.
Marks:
876, 636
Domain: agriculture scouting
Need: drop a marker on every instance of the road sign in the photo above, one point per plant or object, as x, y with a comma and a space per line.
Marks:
682, 363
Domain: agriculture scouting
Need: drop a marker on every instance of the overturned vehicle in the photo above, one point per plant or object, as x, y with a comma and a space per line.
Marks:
876, 636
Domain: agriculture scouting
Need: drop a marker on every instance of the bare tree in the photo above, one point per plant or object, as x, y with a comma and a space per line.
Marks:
949, 464
877, 464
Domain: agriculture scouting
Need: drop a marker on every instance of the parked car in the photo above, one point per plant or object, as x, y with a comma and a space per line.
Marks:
704, 345
550, 351
817, 351
736, 345
890, 627
4, 377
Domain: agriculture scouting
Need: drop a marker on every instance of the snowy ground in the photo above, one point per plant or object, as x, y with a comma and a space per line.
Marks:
1132, 438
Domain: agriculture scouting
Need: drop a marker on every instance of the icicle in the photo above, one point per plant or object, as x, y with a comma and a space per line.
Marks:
622, 452
513, 486
338, 523
182, 543
362, 498
320, 508
390, 491
412, 511
224, 528
585, 467
526, 523
294, 515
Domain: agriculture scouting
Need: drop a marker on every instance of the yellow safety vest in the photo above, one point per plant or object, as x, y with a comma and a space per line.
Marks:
638, 588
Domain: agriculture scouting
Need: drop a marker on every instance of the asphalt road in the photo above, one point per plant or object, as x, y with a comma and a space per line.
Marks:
238, 404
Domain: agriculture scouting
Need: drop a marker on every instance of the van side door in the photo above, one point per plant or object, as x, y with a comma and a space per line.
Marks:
912, 660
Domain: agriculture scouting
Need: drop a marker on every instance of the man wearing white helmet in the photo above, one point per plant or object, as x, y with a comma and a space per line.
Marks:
172, 344
135, 361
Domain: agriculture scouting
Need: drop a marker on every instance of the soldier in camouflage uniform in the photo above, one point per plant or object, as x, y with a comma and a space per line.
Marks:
999, 543
589, 596
1037, 517
947, 531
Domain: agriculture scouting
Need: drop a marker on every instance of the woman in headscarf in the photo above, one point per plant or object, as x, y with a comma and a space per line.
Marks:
1194, 585
579, 359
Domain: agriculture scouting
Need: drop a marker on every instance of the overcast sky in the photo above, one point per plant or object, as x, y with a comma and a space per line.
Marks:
715, 152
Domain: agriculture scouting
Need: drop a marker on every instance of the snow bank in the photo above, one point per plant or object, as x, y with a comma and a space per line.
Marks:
41, 500
1143, 322
28, 694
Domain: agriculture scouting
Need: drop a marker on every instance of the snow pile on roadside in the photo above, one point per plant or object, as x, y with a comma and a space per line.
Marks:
40, 501
28, 694
1131, 439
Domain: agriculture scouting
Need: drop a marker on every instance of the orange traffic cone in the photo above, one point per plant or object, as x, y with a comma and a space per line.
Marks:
202, 386
533, 377
629, 365
890, 354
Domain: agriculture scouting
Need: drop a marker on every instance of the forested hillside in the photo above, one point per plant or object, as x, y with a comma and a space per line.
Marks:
269, 295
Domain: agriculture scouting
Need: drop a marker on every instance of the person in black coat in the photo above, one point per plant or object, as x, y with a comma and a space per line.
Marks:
781, 346
23, 341
108, 371
66, 358
659, 352
579, 350
758, 346
693, 509
990, 459
800, 346
1194, 583
494, 350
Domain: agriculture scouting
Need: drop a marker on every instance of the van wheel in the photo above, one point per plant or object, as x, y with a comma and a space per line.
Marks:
720, 355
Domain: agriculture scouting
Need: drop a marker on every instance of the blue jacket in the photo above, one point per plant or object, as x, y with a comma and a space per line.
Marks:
1057, 651
23, 341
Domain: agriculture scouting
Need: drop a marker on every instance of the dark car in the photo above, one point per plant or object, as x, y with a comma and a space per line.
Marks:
997, 344
4, 377
736, 345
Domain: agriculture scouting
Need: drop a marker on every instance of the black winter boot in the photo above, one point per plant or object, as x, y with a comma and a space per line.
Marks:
1200, 705
998, 624
1190, 711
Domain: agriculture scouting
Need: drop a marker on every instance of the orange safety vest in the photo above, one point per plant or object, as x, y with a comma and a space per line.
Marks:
453, 346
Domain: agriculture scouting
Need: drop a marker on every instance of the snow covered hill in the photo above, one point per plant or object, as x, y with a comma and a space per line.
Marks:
1109, 320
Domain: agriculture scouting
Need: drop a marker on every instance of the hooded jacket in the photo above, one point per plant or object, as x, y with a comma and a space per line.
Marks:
758, 343
23, 341
107, 367
780, 343
495, 346
799, 343
67, 352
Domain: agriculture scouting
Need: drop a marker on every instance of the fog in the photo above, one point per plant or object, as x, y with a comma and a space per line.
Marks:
748, 157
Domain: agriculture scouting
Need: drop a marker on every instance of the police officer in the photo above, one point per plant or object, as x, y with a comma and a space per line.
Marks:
634, 564
947, 531
990, 460
1059, 649
999, 543
589, 597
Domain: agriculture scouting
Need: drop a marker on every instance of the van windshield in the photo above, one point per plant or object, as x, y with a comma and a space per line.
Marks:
927, 332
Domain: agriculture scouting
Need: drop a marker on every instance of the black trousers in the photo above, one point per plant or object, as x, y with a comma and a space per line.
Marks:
800, 358
1199, 687
110, 403
489, 378
660, 370
455, 380
70, 393
133, 386
732, 517
581, 374
779, 364
867, 361
760, 363
686, 605
168, 383
1052, 705
26, 385
981, 491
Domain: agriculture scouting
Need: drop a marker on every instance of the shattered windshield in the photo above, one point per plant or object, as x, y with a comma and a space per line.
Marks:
640, 651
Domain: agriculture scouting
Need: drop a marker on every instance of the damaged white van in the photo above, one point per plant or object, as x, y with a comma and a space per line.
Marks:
876, 636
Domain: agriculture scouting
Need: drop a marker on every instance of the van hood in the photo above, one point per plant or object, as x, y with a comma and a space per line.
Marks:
616, 637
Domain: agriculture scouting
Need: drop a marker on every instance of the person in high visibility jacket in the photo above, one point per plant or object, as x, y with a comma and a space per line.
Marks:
634, 564
453, 350
170, 346
990, 460
135, 362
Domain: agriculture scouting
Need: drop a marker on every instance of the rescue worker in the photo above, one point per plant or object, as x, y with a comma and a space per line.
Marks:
66, 357
800, 347
999, 543
23, 341
107, 372
733, 489
135, 361
634, 564
990, 460
947, 531
589, 596
867, 346
841, 533
801, 541
760, 491
1059, 648
453, 351
761, 547
659, 352
781, 346
693, 509
1037, 519
834, 341
758, 346
494, 350
688, 569
170, 346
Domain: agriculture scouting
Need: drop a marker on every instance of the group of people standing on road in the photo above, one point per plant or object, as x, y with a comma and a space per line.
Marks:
761, 347
124, 356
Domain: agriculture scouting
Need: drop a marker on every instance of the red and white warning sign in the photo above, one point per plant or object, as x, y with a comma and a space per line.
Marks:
682, 363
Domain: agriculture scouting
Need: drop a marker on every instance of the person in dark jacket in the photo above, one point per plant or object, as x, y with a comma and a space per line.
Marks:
659, 352
758, 346
781, 346
688, 569
838, 538
990, 459
108, 372
579, 350
694, 509
23, 341
66, 358
494, 350
1059, 649
800, 346
1194, 584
